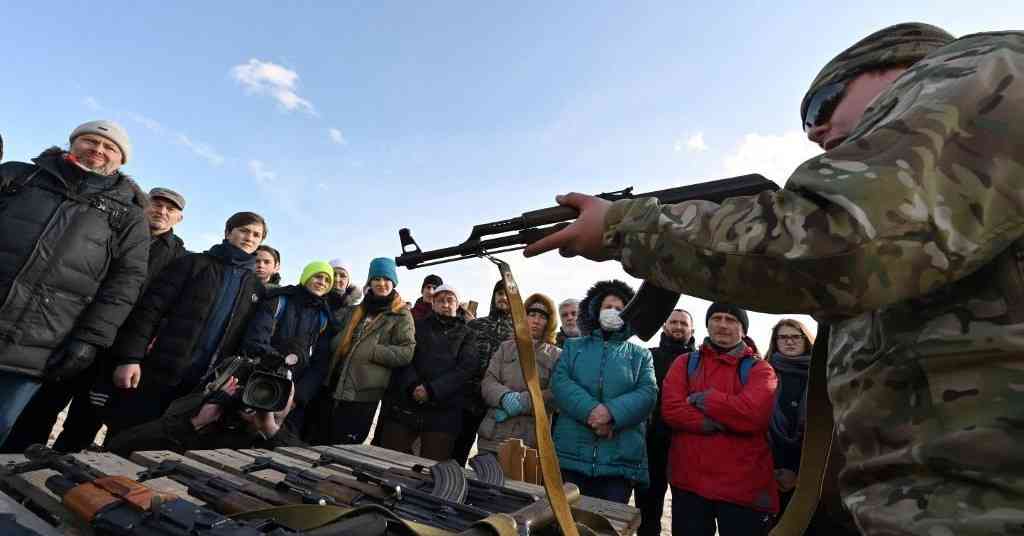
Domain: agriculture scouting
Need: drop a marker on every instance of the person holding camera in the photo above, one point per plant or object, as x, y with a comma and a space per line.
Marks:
201, 421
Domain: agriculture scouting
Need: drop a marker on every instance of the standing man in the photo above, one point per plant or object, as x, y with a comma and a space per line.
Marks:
568, 312
73, 254
422, 307
906, 235
165, 210
491, 331
676, 340
718, 403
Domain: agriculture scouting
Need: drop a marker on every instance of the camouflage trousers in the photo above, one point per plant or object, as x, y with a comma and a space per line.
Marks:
933, 430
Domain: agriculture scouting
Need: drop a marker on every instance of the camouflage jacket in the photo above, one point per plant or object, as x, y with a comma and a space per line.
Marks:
491, 331
908, 238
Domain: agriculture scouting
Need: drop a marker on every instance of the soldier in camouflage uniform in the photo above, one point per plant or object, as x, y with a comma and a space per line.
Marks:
907, 235
491, 331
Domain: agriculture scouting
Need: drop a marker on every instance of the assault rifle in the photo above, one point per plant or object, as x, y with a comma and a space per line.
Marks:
363, 488
118, 505
444, 479
647, 311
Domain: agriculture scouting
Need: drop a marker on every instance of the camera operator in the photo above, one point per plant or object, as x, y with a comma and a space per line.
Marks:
200, 422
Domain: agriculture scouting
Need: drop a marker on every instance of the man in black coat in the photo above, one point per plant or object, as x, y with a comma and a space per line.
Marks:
195, 311
676, 340
426, 398
73, 254
163, 212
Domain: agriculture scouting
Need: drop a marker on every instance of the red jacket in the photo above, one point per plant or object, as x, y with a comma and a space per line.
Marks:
734, 465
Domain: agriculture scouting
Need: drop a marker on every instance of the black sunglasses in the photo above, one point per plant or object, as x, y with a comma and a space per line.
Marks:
822, 104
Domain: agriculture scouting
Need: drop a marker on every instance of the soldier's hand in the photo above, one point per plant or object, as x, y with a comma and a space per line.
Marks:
127, 376
582, 237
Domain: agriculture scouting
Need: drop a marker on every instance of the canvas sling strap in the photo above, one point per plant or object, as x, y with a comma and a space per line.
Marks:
814, 454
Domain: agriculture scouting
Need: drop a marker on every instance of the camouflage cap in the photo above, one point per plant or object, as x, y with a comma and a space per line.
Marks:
901, 44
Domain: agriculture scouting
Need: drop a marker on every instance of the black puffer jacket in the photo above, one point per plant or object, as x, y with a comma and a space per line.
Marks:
445, 359
69, 268
174, 311
163, 249
303, 317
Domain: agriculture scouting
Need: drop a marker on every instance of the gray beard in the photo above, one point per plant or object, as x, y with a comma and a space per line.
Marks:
572, 332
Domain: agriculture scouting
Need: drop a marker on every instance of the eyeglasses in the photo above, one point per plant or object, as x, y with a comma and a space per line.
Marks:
822, 104
789, 338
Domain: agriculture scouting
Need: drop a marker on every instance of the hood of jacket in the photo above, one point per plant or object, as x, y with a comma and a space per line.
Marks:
52, 160
591, 304
494, 312
552, 328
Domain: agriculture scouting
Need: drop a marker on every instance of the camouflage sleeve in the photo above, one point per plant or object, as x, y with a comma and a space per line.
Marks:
926, 190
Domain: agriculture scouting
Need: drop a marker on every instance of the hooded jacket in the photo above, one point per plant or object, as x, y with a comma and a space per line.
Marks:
734, 465
73, 252
505, 374
175, 311
603, 368
491, 331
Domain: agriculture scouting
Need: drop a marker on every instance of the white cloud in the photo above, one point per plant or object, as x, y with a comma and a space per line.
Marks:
201, 150
260, 172
694, 144
774, 156
337, 136
151, 124
92, 104
264, 77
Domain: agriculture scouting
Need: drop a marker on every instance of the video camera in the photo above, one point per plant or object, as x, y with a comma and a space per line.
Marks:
264, 381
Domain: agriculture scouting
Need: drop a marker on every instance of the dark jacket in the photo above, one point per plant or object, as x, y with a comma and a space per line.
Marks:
786, 428
732, 464
664, 355
175, 311
491, 331
70, 267
421, 309
340, 300
444, 360
174, 431
299, 321
163, 249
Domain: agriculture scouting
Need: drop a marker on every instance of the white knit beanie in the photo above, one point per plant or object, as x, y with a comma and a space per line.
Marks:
108, 129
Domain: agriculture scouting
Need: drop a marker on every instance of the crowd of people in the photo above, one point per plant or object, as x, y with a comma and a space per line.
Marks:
105, 309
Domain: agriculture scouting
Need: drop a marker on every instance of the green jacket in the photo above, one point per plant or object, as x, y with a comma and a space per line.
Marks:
377, 347
908, 238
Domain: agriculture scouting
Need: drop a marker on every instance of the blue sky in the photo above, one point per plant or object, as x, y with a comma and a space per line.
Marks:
342, 122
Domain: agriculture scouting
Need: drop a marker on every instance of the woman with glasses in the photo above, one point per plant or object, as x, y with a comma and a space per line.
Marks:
789, 353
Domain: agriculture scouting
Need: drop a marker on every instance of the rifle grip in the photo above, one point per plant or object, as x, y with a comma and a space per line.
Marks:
648, 309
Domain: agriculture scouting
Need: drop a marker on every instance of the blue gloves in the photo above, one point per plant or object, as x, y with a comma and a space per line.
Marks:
513, 404
500, 415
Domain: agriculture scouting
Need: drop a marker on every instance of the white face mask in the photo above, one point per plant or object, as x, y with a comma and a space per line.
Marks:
611, 320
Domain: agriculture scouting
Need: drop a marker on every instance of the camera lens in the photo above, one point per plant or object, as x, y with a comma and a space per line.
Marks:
266, 392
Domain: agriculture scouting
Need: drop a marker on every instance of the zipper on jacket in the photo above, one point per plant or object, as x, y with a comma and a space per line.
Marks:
600, 400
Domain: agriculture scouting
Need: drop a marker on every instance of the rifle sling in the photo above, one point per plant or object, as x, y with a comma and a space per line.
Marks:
818, 435
545, 446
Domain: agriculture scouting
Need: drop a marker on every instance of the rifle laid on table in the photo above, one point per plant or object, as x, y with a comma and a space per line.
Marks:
443, 479
118, 505
647, 311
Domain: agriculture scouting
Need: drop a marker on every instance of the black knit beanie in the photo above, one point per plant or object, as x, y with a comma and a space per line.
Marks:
728, 308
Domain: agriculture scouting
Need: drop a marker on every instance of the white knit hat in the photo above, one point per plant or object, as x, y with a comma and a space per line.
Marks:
108, 129
446, 288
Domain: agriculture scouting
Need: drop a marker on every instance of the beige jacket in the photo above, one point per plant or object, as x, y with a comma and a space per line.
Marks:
503, 375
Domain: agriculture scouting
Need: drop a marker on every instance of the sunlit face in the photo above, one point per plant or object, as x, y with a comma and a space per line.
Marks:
859, 93
538, 324
725, 330
612, 302
162, 215
341, 279
501, 300
381, 286
568, 313
790, 341
679, 326
247, 237
319, 283
97, 153
266, 266
445, 304
427, 292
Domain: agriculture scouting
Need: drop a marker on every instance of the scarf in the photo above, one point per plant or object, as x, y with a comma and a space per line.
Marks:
378, 304
789, 433
373, 305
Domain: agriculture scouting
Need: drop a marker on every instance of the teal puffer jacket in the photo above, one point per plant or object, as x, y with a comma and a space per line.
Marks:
593, 370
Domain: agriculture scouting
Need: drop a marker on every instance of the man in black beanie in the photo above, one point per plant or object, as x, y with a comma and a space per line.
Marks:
422, 307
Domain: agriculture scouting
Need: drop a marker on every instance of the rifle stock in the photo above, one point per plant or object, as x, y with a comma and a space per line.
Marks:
646, 312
